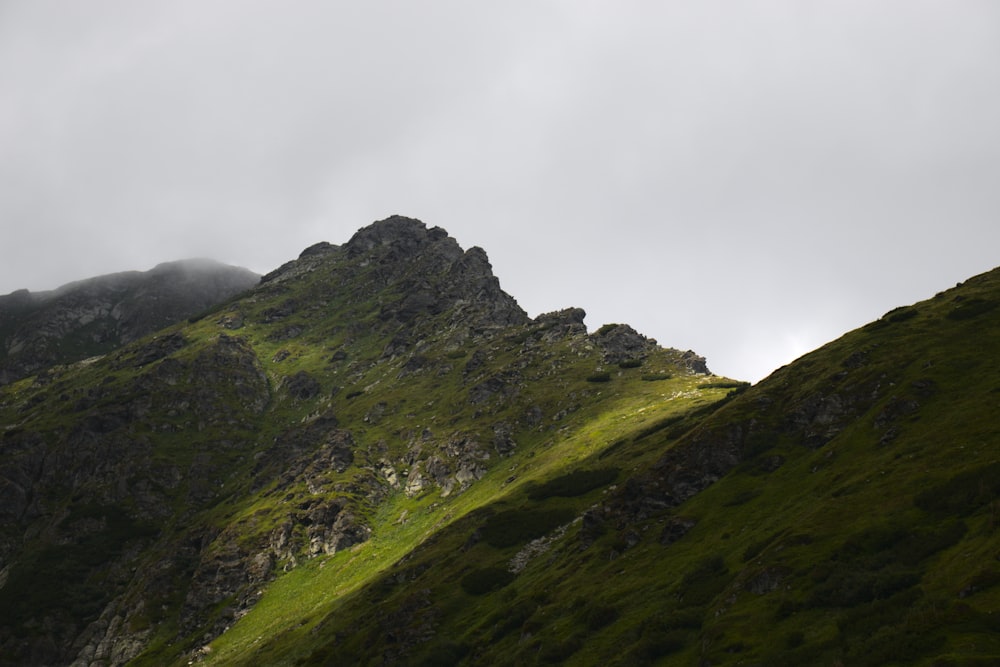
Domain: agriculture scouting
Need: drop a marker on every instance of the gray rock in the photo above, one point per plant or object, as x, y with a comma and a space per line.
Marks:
550, 327
695, 363
620, 342
302, 386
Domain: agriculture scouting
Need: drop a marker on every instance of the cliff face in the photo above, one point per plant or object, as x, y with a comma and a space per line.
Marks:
376, 457
95, 316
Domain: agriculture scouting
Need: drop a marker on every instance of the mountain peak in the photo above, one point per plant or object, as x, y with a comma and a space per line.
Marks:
413, 272
395, 231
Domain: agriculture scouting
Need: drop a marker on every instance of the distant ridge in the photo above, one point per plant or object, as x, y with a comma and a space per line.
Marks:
94, 316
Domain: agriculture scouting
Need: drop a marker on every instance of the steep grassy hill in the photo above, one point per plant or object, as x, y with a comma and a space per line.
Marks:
843, 511
376, 457
363, 397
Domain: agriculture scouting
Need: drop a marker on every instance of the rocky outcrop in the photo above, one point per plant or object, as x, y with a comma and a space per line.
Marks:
620, 343
449, 465
307, 453
308, 260
695, 363
431, 274
550, 327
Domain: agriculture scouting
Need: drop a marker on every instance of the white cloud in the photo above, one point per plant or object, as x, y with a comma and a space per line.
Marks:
715, 174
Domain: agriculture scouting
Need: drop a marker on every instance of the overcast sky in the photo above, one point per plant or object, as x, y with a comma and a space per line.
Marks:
747, 179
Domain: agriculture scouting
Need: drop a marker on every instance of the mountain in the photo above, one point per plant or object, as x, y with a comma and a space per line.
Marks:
92, 317
376, 457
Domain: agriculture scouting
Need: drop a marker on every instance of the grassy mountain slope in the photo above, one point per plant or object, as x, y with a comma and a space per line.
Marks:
852, 520
377, 458
362, 397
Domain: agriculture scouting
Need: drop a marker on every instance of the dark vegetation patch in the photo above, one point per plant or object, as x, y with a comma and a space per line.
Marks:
756, 548
981, 581
613, 448
574, 484
794, 639
886, 631
486, 580
901, 314
661, 636
658, 426
967, 309
511, 618
656, 377
879, 562
599, 377
964, 493
901, 543
724, 384
742, 498
599, 616
65, 578
445, 655
700, 586
560, 651
901, 628
658, 645
846, 585
630, 363
708, 409
513, 527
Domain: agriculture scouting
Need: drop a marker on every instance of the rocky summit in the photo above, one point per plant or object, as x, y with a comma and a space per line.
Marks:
376, 457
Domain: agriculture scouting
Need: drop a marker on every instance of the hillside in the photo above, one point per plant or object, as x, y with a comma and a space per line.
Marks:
376, 457
843, 511
95, 316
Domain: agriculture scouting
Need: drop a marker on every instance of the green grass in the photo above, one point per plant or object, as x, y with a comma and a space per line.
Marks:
428, 515
838, 553
844, 510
